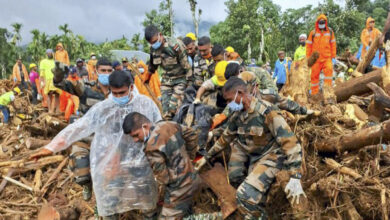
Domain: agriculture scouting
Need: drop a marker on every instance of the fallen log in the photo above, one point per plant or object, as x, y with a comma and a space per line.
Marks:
350, 210
332, 164
53, 176
356, 140
357, 86
215, 178
369, 55
34, 143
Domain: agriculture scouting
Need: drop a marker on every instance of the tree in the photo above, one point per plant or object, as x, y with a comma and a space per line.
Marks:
136, 41
195, 19
17, 38
161, 19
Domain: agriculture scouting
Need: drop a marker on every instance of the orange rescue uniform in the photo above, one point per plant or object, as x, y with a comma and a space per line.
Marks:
62, 55
69, 104
324, 42
154, 81
367, 36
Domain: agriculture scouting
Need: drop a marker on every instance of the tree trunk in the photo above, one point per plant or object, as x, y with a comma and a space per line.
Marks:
356, 140
357, 86
261, 45
380, 95
34, 143
169, 2
369, 56
249, 47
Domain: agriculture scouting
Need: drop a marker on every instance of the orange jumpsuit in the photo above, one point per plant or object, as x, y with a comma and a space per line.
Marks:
367, 36
69, 104
91, 68
154, 81
324, 42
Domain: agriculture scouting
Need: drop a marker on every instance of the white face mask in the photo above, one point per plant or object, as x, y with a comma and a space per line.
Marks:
321, 26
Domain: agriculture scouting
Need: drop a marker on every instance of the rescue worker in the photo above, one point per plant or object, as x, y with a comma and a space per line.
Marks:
191, 50
282, 68
91, 67
121, 175
379, 60
6, 99
218, 53
73, 75
213, 86
61, 54
170, 54
322, 39
369, 34
125, 64
265, 142
117, 66
300, 52
88, 92
232, 55
80, 68
203, 62
46, 76
169, 155
191, 35
152, 80
34, 81
20, 75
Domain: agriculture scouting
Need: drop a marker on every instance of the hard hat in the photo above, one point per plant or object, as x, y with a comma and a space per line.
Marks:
32, 65
229, 49
79, 60
191, 35
124, 59
350, 70
92, 54
17, 90
219, 77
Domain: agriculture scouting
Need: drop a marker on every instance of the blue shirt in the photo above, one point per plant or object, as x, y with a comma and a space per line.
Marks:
376, 61
379, 62
280, 71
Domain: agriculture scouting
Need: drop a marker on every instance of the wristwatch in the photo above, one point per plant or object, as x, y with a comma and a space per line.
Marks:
297, 176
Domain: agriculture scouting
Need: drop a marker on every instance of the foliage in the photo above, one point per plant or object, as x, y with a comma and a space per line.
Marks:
160, 18
282, 29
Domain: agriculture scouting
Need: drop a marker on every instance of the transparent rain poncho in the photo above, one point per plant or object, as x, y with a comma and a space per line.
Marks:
121, 175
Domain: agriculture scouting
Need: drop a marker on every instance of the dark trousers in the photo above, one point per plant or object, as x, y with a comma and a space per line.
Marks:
5, 111
280, 86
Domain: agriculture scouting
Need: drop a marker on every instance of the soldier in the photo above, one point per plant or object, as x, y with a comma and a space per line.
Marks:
170, 54
264, 141
168, 152
264, 79
203, 62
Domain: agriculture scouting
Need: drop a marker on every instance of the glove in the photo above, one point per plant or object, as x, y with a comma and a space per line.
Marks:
41, 153
196, 101
313, 112
334, 61
200, 163
294, 190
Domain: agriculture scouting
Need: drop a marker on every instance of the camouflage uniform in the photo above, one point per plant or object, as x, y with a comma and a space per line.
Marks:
172, 57
282, 103
267, 144
168, 151
201, 69
264, 79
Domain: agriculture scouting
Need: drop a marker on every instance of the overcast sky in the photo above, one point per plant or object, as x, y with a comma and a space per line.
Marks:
98, 20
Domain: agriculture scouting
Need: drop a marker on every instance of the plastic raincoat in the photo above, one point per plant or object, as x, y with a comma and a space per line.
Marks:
121, 175
62, 55
368, 36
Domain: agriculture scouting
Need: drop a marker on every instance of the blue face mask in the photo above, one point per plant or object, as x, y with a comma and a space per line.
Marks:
233, 106
103, 79
157, 44
121, 100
